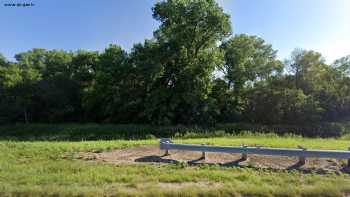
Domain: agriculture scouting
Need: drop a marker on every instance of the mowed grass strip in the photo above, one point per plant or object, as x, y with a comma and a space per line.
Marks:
50, 168
272, 140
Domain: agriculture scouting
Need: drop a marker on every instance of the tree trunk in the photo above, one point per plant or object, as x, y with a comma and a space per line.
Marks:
25, 113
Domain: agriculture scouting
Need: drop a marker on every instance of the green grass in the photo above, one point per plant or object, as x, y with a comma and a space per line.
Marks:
272, 140
44, 168
93, 131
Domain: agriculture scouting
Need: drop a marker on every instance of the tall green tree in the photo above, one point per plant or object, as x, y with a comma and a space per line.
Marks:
55, 62
83, 67
324, 82
3, 60
191, 72
303, 65
58, 95
270, 104
343, 65
34, 58
19, 86
248, 59
104, 100
188, 37
341, 79
225, 109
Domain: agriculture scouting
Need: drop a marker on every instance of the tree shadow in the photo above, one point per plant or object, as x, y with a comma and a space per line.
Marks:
234, 163
296, 166
238, 164
195, 161
345, 169
156, 159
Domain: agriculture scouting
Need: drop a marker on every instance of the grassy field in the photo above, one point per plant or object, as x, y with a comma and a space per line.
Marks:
43, 168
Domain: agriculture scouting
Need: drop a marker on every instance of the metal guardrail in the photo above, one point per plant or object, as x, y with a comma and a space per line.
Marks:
166, 144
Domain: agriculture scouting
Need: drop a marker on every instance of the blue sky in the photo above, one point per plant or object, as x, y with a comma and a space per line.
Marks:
321, 25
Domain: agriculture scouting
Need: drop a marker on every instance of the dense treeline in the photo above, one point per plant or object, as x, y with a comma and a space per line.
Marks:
192, 72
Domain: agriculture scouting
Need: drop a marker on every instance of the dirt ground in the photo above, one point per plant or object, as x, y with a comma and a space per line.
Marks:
153, 155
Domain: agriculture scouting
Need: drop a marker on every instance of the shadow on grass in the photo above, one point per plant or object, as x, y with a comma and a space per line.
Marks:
156, 159
238, 164
296, 166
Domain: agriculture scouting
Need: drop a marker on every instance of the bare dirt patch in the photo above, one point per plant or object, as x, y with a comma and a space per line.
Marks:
153, 155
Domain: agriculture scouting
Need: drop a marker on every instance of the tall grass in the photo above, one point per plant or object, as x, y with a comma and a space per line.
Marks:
78, 132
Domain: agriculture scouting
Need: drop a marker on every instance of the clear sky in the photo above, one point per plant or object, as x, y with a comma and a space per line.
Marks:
321, 25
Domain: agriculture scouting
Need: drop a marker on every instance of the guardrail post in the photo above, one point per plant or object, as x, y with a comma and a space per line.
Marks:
166, 153
302, 159
244, 155
165, 140
203, 154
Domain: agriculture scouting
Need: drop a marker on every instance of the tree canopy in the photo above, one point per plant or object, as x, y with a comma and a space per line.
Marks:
193, 71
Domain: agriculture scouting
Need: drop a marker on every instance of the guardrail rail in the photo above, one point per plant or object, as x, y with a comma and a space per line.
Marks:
300, 152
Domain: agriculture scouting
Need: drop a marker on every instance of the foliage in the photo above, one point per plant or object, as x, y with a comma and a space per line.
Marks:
192, 72
343, 64
187, 37
249, 59
285, 106
18, 84
3, 60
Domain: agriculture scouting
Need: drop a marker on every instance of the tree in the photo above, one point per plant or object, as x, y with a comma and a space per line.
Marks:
34, 58
3, 60
248, 59
343, 65
271, 105
190, 25
104, 100
303, 65
55, 62
173, 78
226, 109
57, 95
83, 67
324, 82
187, 38
19, 84
340, 94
